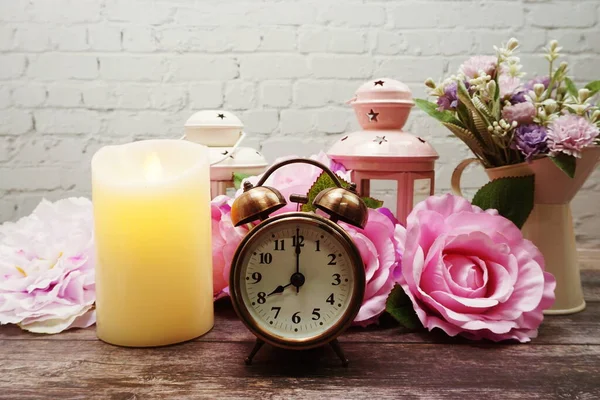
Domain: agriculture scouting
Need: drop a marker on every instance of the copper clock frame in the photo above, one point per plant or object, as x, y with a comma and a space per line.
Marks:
343, 322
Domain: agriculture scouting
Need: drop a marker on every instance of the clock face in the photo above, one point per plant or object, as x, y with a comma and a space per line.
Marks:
298, 278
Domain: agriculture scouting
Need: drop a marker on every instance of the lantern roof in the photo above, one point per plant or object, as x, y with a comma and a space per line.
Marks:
383, 90
244, 160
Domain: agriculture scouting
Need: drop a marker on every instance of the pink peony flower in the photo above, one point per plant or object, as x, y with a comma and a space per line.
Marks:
523, 113
471, 272
570, 134
474, 66
225, 239
508, 85
47, 262
298, 178
381, 245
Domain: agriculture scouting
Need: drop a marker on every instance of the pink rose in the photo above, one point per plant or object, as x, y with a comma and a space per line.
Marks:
381, 244
225, 239
522, 113
298, 178
471, 272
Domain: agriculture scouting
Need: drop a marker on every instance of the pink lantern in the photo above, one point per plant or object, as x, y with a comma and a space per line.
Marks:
382, 151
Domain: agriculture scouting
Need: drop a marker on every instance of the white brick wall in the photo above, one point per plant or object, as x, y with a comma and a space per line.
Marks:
78, 74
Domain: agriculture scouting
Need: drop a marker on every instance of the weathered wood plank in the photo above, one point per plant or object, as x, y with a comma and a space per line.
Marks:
589, 259
581, 328
214, 370
591, 285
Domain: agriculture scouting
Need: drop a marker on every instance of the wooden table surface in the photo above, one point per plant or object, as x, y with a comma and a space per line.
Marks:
385, 362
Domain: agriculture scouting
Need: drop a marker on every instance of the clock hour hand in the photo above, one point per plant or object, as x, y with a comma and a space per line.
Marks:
279, 289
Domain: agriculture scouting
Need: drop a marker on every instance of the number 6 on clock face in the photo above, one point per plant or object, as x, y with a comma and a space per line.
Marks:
297, 280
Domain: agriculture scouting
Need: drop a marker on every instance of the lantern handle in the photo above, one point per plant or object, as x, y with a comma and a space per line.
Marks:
274, 167
233, 149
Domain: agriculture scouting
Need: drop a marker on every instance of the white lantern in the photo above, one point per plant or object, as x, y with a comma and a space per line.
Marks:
223, 133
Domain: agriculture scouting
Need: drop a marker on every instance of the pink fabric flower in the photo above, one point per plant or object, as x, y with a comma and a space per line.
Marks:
508, 85
473, 67
523, 113
471, 272
298, 178
570, 134
225, 239
47, 262
381, 246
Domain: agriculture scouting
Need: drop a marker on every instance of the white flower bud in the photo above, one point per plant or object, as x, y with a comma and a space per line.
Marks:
583, 94
538, 89
550, 106
553, 45
430, 83
512, 44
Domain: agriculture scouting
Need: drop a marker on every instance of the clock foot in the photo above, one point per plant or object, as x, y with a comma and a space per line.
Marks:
335, 345
257, 346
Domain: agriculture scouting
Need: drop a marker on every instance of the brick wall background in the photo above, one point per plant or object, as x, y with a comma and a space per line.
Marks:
78, 74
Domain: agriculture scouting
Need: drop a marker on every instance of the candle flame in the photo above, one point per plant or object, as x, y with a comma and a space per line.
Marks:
153, 168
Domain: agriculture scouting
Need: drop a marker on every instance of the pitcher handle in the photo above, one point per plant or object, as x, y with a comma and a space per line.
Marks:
457, 174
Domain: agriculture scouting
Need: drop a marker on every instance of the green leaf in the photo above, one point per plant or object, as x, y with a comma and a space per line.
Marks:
431, 109
512, 197
238, 178
566, 163
571, 88
399, 306
593, 87
323, 182
372, 203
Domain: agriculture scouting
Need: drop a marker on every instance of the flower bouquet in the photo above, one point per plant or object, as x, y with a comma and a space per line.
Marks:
537, 139
505, 121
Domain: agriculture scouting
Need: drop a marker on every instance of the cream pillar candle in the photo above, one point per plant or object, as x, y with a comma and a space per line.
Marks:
152, 230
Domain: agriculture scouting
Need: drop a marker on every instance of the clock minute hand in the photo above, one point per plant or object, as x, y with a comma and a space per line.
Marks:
279, 289
297, 256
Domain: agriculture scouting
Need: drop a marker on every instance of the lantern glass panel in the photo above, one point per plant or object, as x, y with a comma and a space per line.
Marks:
421, 190
386, 191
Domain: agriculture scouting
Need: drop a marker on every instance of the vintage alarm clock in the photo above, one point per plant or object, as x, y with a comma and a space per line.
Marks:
297, 279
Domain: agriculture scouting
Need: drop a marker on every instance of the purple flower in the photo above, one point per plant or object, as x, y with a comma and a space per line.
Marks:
519, 96
530, 140
570, 134
449, 100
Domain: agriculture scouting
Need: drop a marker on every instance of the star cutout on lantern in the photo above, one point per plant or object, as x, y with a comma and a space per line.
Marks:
222, 116
225, 153
372, 115
344, 138
380, 139
421, 140
379, 82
